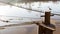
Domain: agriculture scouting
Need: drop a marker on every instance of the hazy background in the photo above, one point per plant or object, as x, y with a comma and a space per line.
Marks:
7, 10
12, 12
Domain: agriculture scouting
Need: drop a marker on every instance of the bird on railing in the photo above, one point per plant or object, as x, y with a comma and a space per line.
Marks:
49, 8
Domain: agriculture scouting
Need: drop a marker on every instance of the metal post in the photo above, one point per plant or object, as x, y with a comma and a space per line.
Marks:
47, 23
45, 30
47, 18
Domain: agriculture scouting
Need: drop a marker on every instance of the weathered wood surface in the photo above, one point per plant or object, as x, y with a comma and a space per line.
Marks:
46, 27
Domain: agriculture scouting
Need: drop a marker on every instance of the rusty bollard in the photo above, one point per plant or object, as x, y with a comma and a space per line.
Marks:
46, 27
49, 27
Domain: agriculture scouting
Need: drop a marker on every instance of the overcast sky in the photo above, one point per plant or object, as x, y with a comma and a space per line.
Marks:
15, 11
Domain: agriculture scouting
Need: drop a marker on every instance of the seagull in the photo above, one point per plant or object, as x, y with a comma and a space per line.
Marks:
49, 8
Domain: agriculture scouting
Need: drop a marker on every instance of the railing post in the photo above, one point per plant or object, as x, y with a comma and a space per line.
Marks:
47, 27
47, 18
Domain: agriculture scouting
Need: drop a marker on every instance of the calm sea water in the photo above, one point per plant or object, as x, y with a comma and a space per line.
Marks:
17, 15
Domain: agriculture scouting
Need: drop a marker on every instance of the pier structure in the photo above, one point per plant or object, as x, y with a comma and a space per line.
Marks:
46, 27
